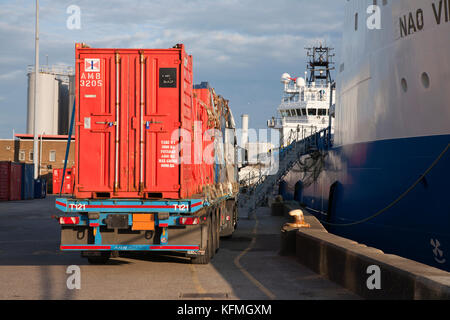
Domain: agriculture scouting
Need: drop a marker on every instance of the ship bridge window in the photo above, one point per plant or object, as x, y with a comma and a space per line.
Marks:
304, 112
312, 112
322, 112
322, 95
299, 112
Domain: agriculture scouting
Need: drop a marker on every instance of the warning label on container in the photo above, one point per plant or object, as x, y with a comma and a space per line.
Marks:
168, 154
92, 65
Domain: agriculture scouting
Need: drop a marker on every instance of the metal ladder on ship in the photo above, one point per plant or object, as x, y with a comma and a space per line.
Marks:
257, 194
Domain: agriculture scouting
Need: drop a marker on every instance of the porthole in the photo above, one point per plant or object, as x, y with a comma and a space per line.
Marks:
425, 80
404, 85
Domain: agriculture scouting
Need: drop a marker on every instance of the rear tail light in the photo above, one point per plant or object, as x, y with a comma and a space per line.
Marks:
189, 221
69, 220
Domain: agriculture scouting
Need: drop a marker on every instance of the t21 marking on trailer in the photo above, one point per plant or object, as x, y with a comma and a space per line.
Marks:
77, 207
181, 207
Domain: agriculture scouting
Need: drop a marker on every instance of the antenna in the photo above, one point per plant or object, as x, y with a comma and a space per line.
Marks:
320, 63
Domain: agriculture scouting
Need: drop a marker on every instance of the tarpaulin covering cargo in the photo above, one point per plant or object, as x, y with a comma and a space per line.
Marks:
142, 131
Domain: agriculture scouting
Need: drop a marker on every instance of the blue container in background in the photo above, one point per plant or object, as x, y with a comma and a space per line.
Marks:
203, 85
27, 191
40, 189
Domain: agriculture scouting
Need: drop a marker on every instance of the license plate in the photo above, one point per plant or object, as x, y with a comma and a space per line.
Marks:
117, 221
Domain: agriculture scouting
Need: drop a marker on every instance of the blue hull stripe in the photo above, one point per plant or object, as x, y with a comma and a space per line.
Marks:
370, 176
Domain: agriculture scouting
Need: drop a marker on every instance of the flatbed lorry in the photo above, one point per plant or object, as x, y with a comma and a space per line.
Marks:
155, 158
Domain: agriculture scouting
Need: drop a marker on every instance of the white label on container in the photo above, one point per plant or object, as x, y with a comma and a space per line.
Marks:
168, 154
87, 123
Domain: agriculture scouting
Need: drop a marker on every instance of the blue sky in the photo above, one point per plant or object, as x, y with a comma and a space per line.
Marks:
240, 46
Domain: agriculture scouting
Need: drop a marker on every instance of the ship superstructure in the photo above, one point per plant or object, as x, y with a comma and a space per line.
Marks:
305, 105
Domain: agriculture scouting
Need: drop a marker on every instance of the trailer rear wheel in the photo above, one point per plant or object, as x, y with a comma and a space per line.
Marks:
217, 216
206, 258
231, 224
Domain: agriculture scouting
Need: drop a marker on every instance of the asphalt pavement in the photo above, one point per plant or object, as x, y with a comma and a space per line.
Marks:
246, 267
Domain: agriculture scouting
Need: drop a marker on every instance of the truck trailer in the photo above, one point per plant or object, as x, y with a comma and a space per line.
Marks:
155, 158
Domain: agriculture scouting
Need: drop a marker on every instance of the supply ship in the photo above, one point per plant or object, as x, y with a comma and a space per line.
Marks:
305, 108
384, 182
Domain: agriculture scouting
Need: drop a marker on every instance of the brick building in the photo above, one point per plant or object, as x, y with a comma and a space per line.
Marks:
52, 151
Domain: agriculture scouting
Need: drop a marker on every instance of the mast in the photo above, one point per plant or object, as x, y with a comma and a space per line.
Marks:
320, 64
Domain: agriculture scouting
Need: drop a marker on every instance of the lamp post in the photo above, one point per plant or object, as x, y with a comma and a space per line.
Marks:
36, 80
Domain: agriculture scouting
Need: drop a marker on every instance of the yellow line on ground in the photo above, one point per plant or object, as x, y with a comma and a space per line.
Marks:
198, 286
258, 284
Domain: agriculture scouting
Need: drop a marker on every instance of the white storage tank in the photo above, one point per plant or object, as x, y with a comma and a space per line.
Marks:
48, 104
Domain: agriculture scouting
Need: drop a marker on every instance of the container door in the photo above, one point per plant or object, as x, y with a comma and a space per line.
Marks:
15, 182
5, 176
161, 123
96, 121
129, 121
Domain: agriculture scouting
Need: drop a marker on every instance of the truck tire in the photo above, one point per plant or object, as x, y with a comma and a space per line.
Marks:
212, 230
230, 226
206, 258
235, 217
216, 229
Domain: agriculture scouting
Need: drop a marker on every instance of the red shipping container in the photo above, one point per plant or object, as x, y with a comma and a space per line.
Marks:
204, 170
10, 181
16, 182
5, 173
68, 180
130, 103
57, 178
